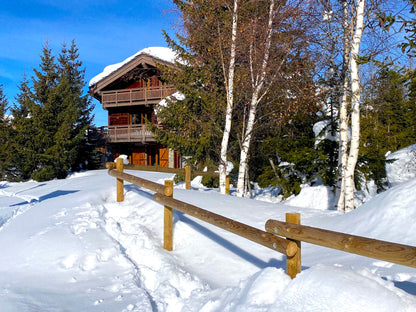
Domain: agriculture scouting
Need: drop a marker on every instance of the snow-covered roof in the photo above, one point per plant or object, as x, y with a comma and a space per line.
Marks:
162, 53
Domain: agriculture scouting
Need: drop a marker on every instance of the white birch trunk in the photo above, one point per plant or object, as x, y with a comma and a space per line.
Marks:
355, 105
343, 115
343, 145
230, 103
257, 88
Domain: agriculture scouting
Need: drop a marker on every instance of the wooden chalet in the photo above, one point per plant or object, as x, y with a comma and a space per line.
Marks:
129, 92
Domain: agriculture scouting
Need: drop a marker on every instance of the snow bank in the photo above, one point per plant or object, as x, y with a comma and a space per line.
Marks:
388, 216
318, 197
324, 288
401, 165
161, 53
67, 245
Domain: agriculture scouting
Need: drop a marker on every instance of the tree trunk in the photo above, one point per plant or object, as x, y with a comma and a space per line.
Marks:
230, 103
355, 105
343, 115
246, 145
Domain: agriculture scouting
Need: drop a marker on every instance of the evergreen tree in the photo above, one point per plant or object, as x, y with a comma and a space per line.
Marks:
5, 128
293, 159
388, 122
285, 153
193, 124
52, 118
24, 147
72, 110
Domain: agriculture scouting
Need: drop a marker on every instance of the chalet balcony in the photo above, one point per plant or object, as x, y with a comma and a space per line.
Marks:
128, 133
137, 96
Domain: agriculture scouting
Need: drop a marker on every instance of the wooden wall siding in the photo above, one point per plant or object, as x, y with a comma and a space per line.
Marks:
153, 81
135, 118
119, 119
129, 133
135, 96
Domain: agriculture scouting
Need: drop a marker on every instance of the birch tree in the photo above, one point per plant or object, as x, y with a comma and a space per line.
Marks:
229, 85
343, 115
257, 84
274, 36
353, 31
355, 106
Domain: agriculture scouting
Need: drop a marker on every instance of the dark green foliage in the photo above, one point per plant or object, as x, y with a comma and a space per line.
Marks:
179, 178
211, 182
388, 121
5, 131
23, 139
193, 125
290, 157
51, 118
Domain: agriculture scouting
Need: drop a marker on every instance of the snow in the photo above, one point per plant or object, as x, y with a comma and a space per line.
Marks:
161, 53
67, 245
318, 197
175, 96
125, 159
401, 165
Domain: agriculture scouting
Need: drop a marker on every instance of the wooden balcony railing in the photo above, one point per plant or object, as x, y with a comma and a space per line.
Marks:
128, 133
137, 96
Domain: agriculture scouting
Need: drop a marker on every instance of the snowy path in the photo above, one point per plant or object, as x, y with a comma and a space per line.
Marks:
68, 246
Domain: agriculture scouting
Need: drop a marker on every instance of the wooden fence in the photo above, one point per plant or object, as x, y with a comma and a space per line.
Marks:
187, 172
284, 237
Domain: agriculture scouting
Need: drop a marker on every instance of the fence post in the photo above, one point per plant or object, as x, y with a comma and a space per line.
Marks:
120, 182
168, 221
188, 177
227, 185
294, 264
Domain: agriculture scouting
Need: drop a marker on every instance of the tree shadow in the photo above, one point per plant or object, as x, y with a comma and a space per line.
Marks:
261, 264
53, 194
408, 287
142, 191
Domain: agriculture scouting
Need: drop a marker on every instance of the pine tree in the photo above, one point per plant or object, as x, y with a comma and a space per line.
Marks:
291, 158
193, 126
76, 116
24, 147
51, 118
388, 122
72, 110
5, 129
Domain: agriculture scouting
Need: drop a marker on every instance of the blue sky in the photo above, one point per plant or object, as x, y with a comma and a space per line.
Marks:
105, 31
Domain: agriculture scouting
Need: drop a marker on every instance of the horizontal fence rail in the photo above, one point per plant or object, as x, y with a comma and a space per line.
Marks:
187, 172
261, 237
368, 247
155, 169
153, 186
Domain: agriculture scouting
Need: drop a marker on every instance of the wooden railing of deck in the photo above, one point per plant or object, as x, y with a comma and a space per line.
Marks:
129, 133
136, 96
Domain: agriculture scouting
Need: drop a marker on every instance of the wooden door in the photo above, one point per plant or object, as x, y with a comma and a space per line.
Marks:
164, 157
139, 156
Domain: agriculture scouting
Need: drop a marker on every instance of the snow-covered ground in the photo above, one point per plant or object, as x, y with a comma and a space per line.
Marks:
67, 245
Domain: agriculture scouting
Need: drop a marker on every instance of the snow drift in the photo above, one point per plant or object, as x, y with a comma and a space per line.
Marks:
67, 245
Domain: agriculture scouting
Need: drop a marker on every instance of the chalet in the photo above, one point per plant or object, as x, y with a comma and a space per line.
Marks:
129, 92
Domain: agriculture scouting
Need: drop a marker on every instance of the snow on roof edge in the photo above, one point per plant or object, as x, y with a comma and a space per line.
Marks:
161, 53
